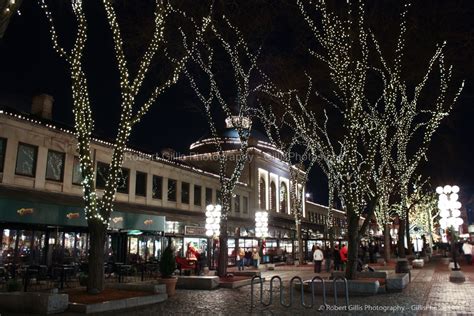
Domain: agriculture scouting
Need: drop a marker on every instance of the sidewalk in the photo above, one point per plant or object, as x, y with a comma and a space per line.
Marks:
429, 293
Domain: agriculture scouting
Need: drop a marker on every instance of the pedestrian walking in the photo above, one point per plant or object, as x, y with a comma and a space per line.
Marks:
239, 257
343, 253
318, 257
336, 258
327, 258
255, 258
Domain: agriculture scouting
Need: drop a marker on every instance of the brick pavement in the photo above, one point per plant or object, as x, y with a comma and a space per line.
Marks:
429, 293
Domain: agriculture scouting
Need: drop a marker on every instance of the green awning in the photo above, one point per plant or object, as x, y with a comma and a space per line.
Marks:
28, 212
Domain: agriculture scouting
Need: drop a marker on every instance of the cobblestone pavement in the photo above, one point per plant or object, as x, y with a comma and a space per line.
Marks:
429, 293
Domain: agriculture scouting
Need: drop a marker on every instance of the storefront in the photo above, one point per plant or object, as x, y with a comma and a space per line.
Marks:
45, 233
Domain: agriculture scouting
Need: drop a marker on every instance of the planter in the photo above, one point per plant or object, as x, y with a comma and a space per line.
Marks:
418, 263
170, 285
402, 266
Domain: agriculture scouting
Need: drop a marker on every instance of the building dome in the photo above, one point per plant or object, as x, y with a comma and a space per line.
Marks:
229, 140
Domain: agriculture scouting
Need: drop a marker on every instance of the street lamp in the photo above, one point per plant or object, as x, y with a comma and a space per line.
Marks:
213, 226
449, 206
261, 224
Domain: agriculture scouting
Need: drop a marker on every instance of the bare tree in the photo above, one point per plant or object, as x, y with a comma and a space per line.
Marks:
99, 204
372, 152
292, 150
350, 152
211, 47
409, 121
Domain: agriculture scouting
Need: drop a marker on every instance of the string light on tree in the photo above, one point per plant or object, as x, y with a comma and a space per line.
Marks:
98, 207
211, 41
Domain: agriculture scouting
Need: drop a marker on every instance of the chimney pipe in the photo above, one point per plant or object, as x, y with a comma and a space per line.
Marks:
42, 105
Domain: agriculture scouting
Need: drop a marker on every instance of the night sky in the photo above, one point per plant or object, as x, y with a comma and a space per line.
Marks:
28, 66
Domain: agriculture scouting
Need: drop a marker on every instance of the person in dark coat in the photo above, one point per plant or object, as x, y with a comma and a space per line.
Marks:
371, 253
337, 259
327, 258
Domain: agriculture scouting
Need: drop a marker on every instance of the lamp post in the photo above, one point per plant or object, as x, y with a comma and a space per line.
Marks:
213, 225
449, 206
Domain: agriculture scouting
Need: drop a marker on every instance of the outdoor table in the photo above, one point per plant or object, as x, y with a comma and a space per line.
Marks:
3, 273
28, 271
63, 269
121, 269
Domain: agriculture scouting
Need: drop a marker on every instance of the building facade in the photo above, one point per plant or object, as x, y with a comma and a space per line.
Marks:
41, 210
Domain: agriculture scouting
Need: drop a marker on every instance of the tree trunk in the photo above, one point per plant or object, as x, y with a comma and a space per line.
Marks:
223, 256
353, 240
401, 238
331, 236
386, 234
407, 233
97, 236
299, 237
222, 261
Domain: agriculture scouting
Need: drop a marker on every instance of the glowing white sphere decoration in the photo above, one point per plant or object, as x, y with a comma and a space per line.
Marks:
213, 220
455, 189
447, 189
439, 190
261, 224
456, 213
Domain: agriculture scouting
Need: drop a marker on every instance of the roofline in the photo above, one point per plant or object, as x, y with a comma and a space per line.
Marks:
324, 206
101, 142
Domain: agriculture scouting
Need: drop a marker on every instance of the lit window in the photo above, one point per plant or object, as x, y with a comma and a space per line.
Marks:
172, 190
26, 160
55, 166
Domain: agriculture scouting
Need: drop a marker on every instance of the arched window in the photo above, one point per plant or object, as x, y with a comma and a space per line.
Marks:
283, 198
262, 193
273, 200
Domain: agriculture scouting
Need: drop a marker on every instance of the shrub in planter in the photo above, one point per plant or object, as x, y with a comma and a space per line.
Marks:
83, 279
167, 268
167, 262
13, 285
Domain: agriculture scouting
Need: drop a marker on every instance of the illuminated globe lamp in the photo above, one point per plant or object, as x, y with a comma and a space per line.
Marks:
213, 220
261, 224
449, 206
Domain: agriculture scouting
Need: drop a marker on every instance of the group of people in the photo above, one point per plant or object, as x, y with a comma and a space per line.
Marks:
339, 256
195, 257
242, 257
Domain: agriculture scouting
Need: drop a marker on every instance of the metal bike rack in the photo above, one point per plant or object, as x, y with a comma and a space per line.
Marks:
316, 279
346, 290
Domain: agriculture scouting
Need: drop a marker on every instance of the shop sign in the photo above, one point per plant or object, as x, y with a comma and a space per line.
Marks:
195, 230
25, 211
73, 215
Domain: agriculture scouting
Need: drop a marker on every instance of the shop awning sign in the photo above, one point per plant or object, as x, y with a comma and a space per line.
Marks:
194, 231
